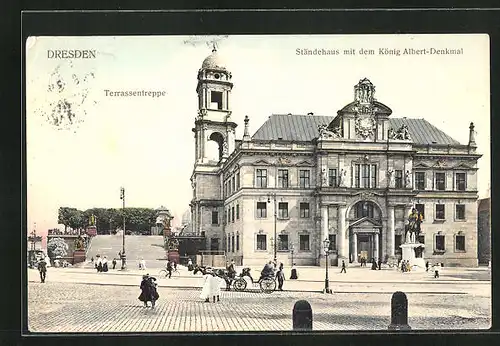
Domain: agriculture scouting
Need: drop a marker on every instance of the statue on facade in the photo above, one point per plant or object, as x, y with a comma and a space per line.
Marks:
342, 177
225, 149
408, 179
325, 133
390, 177
391, 133
324, 177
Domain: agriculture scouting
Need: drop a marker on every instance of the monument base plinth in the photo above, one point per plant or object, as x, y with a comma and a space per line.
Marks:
173, 255
408, 254
79, 256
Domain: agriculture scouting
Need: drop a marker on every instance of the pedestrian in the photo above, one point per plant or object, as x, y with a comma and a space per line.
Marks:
343, 267
427, 266
169, 268
92, 260
280, 275
174, 265
149, 293
114, 263
99, 265
231, 272
190, 265
211, 288
374, 264
436, 270
403, 266
379, 264
294, 275
105, 264
42, 269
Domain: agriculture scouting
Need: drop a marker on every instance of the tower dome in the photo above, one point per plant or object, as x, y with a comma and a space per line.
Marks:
214, 61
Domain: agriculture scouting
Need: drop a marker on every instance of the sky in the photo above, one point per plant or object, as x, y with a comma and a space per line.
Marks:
146, 145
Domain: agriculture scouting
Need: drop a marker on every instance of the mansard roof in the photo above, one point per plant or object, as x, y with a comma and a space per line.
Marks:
304, 128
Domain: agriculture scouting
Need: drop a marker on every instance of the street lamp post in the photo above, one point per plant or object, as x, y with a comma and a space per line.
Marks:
326, 247
273, 195
124, 257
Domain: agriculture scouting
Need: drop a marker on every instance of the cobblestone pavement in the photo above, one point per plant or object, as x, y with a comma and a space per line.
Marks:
73, 307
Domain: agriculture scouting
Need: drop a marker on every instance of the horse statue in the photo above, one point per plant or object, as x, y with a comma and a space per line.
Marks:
413, 227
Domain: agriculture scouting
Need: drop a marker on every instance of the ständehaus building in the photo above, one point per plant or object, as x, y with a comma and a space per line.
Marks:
352, 178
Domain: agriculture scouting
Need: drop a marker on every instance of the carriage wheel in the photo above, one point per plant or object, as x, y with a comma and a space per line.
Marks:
267, 285
240, 284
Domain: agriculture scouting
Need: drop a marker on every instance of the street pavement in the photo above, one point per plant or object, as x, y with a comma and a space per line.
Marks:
81, 300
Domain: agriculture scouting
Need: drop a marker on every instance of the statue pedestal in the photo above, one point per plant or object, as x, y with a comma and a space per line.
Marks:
79, 256
408, 254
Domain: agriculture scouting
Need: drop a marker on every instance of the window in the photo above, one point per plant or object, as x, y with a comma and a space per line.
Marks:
440, 181
283, 210
304, 242
261, 242
421, 209
232, 243
365, 176
214, 244
332, 178
460, 181
398, 179
215, 217
283, 242
216, 100
237, 181
233, 185
420, 180
225, 216
439, 212
232, 214
261, 178
261, 209
440, 242
459, 243
304, 210
421, 239
237, 242
237, 211
363, 209
398, 240
304, 176
283, 178
460, 211
229, 190
333, 242
228, 243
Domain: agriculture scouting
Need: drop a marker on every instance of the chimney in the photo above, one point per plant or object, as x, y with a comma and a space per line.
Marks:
246, 135
472, 136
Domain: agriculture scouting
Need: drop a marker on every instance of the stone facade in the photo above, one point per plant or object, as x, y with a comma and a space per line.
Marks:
484, 231
354, 180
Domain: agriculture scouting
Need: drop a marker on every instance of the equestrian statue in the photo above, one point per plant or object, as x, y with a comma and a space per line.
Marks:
412, 229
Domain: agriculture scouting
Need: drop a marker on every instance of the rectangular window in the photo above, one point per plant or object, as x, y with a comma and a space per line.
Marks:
216, 100
228, 244
237, 181
225, 216
237, 211
398, 238
283, 242
398, 179
421, 239
440, 181
232, 214
304, 210
283, 178
261, 178
440, 242
283, 210
373, 176
304, 178
420, 180
214, 244
233, 184
304, 242
237, 242
356, 175
261, 242
261, 210
421, 209
215, 217
332, 178
459, 243
440, 212
232, 243
460, 211
333, 242
365, 182
460, 181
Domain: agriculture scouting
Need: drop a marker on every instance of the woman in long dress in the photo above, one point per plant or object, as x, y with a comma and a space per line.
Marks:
104, 264
99, 265
149, 293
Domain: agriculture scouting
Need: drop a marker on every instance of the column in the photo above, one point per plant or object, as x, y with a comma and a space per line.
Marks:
376, 250
390, 232
341, 234
355, 246
324, 227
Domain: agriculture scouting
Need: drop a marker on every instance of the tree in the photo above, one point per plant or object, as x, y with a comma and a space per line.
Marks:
57, 247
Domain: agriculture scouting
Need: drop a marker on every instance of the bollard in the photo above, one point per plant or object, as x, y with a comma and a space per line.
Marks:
302, 315
399, 312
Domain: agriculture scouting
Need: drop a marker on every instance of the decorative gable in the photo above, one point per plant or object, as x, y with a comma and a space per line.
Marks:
305, 164
261, 163
365, 223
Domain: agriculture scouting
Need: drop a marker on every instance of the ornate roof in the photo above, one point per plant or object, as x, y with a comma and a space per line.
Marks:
214, 61
304, 128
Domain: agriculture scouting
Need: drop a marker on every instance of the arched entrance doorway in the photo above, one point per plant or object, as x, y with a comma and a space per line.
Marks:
365, 226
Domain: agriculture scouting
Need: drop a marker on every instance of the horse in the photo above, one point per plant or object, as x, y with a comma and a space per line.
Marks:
221, 273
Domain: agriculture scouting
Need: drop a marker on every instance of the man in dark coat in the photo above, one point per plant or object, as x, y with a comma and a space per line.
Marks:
379, 264
374, 264
343, 268
169, 269
231, 272
114, 263
148, 291
280, 275
42, 268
